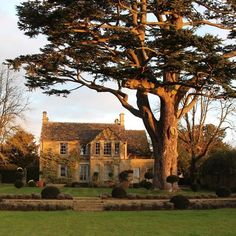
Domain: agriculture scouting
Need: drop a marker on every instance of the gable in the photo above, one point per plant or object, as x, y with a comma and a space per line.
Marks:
107, 134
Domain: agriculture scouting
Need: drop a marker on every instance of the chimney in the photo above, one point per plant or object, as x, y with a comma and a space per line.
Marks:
45, 117
122, 119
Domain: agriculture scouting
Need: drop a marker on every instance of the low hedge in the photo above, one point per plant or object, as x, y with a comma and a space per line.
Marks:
34, 207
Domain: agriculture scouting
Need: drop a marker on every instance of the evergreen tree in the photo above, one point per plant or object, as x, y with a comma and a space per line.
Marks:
149, 46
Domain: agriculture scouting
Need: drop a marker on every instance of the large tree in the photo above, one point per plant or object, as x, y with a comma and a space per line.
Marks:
21, 149
148, 46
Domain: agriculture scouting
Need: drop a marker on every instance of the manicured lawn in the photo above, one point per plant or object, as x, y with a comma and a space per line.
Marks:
89, 192
179, 223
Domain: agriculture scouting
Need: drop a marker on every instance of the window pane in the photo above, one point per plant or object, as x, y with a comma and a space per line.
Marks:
63, 148
117, 148
63, 171
83, 150
97, 148
84, 172
107, 148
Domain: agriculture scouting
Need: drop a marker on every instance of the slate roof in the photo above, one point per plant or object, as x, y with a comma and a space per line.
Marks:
86, 132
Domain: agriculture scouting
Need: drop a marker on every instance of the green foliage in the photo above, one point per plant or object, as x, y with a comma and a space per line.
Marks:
50, 160
50, 192
21, 149
223, 192
148, 175
172, 179
195, 187
180, 202
18, 183
146, 184
219, 169
112, 42
124, 175
118, 192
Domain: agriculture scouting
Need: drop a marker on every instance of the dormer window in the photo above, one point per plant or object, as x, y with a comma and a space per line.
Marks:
63, 148
84, 150
107, 148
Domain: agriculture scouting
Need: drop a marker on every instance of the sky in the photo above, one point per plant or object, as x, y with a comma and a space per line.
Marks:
83, 105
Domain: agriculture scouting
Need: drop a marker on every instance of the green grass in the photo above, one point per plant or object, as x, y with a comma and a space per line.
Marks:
152, 223
91, 192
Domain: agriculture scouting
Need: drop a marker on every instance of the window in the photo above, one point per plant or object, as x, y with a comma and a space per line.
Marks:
117, 148
63, 148
97, 148
84, 172
84, 150
62, 170
107, 148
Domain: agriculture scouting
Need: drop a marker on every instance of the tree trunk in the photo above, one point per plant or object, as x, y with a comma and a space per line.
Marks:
193, 170
165, 146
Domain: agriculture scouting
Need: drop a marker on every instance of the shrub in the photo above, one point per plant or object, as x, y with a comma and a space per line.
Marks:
31, 183
118, 192
123, 176
75, 185
146, 184
172, 179
148, 175
180, 202
18, 184
223, 192
50, 192
136, 185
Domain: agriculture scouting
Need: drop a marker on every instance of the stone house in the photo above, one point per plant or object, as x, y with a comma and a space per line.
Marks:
88, 152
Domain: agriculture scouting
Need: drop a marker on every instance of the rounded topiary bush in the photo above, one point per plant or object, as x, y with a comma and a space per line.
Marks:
50, 192
180, 202
118, 192
31, 183
223, 192
18, 184
146, 184
148, 175
172, 179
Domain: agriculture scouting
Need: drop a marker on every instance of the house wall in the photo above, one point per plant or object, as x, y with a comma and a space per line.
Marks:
97, 163
51, 159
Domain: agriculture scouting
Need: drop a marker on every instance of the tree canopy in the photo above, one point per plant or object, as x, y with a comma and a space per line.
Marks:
149, 46
21, 149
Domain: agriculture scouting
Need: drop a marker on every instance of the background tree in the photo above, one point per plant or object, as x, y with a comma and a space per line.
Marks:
12, 103
220, 170
148, 46
198, 137
21, 149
